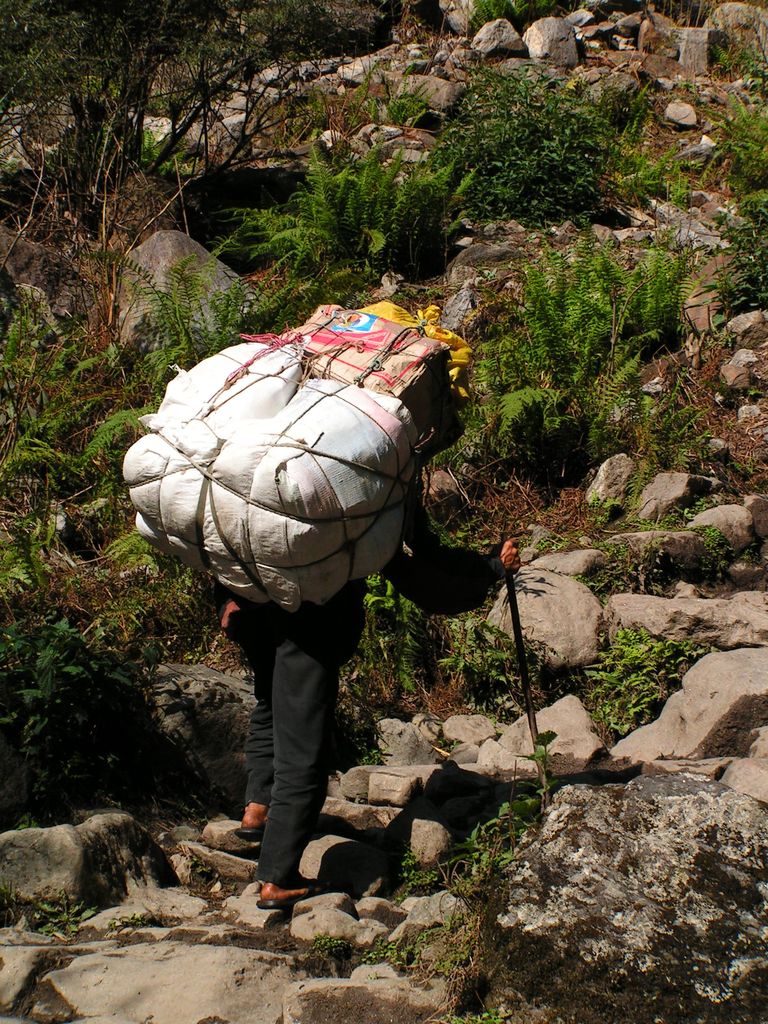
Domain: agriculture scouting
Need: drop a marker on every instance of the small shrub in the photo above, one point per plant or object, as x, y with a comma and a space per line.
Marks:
482, 659
744, 284
746, 144
531, 149
634, 677
335, 949
519, 12
415, 880
74, 710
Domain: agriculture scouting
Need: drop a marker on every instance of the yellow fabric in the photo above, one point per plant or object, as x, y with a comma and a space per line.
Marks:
427, 322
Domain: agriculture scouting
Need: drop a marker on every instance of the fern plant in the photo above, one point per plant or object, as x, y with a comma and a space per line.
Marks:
370, 215
562, 372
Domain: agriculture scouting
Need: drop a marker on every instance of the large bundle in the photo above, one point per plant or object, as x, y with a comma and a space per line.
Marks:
284, 505
387, 357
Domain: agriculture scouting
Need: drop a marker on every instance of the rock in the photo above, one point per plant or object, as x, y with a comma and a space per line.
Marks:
577, 742
220, 835
685, 549
733, 521
497, 758
443, 495
748, 775
468, 728
741, 25
727, 623
760, 746
695, 44
672, 490
149, 267
226, 865
98, 861
612, 480
171, 983
370, 972
242, 910
429, 727
18, 965
393, 790
337, 925
617, 878
329, 901
459, 307
658, 35
746, 575
699, 153
205, 716
427, 912
403, 744
499, 38
482, 255
13, 782
440, 95
346, 865
552, 39
458, 14
723, 701
690, 229
681, 115
358, 816
465, 753
585, 562
32, 266
420, 827
749, 329
376, 908
580, 18
757, 504
355, 784
703, 304
748, 412
709, 767
556, 612
737, 377
373, 1001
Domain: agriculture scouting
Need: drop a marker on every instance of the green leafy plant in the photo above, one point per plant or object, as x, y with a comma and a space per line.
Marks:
718, 551
366, 214
73, 709
481, 658
413, 879
634, 677
519, 12
746, 145
334, 948
530, 148
560, 374
59, 915
744, 284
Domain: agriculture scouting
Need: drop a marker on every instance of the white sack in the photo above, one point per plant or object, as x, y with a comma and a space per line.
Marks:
289, 508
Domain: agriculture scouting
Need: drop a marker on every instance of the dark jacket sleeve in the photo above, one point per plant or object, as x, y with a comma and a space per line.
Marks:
441, 579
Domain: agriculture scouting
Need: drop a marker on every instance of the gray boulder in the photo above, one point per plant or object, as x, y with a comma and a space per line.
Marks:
458, 14
484, 256
557, 613
459, 307
727, 623
722, 704
468, 728
403, 743
346, 865
205, 716
685, 549
741, 25
645, 903
426, 912
749, 329
370, 1000
585, 562
421, 828
43, 271
695, 45
577, 742
499, 38
748, 775
325, 920
612, 480
668, 491
149, 268
98, 861
552, 39
440, 94
733, 521
681, 115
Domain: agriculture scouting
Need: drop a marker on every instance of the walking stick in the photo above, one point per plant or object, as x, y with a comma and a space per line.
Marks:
517, 631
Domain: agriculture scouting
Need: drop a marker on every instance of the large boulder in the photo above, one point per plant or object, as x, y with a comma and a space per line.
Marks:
371, 1000
645, 903
727, 623
499, 38
577, 742
205, 715
741, 26
733, 521
100, 860
42, 271
169, 983
552, 39
558, 613
684, 549
668, 491
403, 743
458, 14
612, 480
723, 702
150, 268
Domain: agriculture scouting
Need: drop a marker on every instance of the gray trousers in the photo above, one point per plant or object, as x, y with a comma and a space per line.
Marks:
295, 657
